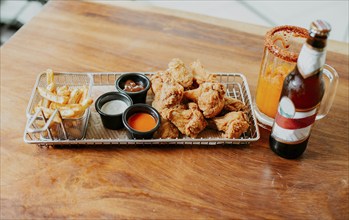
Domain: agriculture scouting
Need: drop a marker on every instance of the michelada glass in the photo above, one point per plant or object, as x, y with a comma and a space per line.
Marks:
281, 49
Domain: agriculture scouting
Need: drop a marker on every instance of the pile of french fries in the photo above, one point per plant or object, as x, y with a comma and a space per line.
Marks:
71, 102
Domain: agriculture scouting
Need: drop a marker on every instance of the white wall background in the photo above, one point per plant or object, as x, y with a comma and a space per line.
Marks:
272, 13
262, 12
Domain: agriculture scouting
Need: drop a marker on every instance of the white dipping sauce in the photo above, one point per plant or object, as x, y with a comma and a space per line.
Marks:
114, 107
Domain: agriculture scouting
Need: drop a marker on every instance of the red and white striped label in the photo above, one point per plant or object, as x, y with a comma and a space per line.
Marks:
291, 125
294, 123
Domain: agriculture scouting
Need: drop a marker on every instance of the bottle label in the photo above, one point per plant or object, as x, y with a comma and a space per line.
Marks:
292, 126
310, 60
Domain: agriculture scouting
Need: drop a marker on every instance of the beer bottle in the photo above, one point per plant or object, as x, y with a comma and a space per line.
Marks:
301, 96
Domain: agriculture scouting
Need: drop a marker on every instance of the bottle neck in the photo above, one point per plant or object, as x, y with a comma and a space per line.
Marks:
312, 56
317, 41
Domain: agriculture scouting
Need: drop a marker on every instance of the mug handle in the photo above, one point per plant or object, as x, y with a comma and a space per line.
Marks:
330, 91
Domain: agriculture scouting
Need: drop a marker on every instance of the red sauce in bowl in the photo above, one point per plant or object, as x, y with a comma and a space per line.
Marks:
142, 122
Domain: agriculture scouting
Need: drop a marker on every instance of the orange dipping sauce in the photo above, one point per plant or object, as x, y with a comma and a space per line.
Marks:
142, 122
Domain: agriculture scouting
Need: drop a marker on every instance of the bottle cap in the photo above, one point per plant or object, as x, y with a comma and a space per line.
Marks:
320, 27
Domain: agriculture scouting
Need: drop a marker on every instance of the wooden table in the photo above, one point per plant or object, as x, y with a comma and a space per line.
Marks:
178, 182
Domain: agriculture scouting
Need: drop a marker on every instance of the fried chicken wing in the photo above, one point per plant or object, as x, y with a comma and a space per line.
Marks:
189, 121
232, 104
170, 94
167, 92
200, 74
158, 79
180, 73
233, 124
209, 97
166, 130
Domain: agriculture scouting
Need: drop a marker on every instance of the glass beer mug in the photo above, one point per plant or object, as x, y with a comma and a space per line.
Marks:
281, 49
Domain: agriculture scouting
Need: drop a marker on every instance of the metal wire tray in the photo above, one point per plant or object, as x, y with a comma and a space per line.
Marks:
96, 134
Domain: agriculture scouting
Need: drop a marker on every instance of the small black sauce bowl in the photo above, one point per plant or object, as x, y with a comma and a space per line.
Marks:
110, 121
141, 108
137, 97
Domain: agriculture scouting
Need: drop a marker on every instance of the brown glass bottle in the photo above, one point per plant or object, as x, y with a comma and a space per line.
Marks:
301, 95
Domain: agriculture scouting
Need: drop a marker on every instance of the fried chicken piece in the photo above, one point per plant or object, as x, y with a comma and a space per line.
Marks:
233, 105
189, 121
168, 93
158, 79
209, 97
169, 96
180, 73
233, 124
200, 74
166, 130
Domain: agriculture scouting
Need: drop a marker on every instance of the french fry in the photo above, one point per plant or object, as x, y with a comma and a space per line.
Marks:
75, 96
49, 76
50, 80
76, 108
63, 91
52, 97
84, 105
55, 105
84, 93
66, 112
51, 87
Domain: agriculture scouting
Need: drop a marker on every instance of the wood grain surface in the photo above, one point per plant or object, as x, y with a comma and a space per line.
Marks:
158, 182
